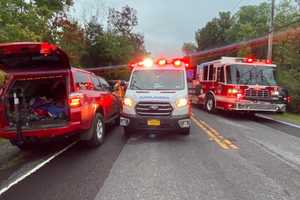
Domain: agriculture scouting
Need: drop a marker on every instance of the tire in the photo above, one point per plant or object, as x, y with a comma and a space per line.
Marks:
98, 131
117, 121
22, 145
127, 132
210, 104
186, 132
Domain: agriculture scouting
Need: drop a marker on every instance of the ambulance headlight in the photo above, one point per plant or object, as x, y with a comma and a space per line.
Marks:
181, 102
128, 102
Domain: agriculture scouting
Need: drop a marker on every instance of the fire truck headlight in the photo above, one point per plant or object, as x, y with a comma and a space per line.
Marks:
181, 102
275, 93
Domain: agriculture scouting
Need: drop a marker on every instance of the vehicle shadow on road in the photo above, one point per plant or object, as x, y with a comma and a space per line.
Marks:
157, 137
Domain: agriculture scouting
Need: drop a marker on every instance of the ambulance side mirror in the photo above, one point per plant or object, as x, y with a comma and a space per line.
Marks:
198, 90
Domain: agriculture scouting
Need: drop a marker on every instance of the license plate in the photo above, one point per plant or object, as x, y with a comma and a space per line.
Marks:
153, 122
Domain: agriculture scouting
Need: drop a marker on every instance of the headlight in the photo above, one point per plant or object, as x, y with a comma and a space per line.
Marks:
181, 102
275, 93
128, 102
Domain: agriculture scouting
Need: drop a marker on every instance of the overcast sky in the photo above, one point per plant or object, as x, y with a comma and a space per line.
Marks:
166, 24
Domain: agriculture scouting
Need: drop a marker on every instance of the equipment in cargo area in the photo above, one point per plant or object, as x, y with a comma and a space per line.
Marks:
36, 102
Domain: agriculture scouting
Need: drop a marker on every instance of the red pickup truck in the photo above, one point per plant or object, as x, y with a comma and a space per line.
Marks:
42, 96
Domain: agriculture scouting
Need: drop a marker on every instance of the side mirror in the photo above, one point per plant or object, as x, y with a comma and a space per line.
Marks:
198, 90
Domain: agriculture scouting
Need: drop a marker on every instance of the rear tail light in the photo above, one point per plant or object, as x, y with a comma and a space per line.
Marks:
75, 100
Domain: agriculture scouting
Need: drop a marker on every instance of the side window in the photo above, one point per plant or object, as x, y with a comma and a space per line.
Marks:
81, 81
212, 72
105, 85
97, 84
205, 73
221, 75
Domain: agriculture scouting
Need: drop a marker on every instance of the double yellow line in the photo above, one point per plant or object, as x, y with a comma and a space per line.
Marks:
214, 135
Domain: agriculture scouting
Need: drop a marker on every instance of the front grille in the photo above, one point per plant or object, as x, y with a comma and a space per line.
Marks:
257, 93
154, 109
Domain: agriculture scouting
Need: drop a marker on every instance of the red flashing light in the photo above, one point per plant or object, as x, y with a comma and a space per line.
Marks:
268, 61
162, 62
249, 60
177, 63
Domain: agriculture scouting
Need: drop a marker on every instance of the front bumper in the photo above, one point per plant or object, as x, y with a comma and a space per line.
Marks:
167, 123
259, 107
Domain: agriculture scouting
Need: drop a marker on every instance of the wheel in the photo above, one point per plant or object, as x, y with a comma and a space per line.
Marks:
210, 104
127, 132
185, 132
22, 145
117, 121
98, 131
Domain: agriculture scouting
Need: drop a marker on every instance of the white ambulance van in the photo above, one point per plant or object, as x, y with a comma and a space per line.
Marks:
156, 98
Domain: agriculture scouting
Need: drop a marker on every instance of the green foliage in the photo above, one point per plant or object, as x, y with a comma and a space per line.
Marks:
88, 45
188, 48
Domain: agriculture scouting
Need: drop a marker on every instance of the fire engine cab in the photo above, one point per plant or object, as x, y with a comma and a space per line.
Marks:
237, 84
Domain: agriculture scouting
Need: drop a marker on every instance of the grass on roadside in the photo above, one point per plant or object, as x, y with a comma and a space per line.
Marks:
288, 117
2, 140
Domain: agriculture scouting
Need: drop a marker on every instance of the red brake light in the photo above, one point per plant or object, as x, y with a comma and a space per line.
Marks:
75, 100
47, 48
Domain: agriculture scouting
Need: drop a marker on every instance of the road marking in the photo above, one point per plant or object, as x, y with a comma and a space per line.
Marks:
36, 168
214, 135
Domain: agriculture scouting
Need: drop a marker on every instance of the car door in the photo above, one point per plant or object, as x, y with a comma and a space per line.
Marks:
85, 86
114, 100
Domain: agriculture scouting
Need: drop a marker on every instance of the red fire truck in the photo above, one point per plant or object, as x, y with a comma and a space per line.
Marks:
237, 84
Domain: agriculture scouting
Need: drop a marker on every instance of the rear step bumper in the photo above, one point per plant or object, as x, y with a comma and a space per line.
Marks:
71, 128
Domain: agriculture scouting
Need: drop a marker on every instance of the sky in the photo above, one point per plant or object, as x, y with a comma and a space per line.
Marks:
165, 24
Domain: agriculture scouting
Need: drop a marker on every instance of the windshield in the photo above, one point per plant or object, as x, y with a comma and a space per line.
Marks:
157, 80
251, 75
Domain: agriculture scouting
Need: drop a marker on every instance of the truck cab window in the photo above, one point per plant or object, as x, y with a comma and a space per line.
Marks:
205, 73
221, 75
212, 72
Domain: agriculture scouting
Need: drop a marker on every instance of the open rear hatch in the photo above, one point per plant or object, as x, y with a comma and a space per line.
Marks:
26, 57
36, 91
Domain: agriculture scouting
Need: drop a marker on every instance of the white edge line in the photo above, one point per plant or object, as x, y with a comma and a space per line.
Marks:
36, 168
278, 121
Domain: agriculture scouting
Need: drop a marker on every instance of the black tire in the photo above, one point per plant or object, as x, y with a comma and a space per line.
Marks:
210, 104
186, 132
22, 145
127, 132
98, 131
117, 121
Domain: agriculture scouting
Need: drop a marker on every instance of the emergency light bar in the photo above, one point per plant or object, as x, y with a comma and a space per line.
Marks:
245, 60
148, 62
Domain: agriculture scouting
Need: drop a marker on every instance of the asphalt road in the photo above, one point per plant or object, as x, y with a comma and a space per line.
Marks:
225, 157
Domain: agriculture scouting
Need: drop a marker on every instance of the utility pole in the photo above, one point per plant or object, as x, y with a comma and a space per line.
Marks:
271, 31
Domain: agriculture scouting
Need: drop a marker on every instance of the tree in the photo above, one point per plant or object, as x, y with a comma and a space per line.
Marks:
189, 48
214, 33
122, 21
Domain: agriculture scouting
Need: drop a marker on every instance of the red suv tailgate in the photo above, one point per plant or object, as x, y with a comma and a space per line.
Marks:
27, 57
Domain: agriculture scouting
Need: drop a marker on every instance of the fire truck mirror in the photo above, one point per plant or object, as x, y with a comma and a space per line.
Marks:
198, 89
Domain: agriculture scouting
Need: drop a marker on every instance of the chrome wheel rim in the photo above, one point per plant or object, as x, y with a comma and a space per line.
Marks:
209, 104
99, 129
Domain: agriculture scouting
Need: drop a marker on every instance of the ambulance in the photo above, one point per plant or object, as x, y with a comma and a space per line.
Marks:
156, 98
